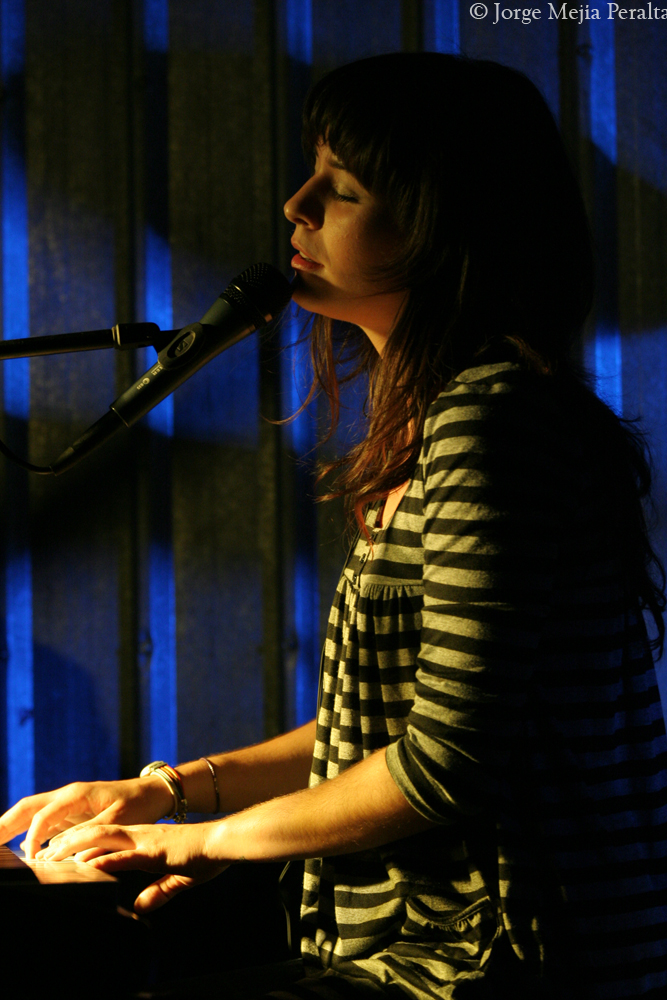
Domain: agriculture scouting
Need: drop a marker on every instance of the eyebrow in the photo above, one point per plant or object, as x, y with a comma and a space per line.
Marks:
334, 162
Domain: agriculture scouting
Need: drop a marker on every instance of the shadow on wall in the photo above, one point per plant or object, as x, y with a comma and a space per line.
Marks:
72, 740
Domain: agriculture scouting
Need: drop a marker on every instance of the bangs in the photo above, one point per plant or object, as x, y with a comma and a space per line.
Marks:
350, 116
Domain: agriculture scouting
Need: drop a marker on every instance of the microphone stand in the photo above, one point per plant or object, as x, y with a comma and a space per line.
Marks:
250, 301
122, 337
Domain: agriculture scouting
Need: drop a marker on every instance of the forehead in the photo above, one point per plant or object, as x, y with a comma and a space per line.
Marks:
323, 153
360, 168
325, 157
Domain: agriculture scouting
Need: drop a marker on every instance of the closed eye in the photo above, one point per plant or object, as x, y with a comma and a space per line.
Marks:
343, 197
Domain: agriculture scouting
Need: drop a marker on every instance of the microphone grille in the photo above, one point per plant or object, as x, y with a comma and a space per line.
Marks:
263, 287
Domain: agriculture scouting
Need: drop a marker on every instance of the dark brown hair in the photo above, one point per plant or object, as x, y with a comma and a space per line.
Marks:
494, 243
494, 249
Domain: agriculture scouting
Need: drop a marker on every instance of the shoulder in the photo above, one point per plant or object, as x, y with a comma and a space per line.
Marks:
475, 400
500, 422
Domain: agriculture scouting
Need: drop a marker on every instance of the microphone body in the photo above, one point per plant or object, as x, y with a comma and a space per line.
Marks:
249, 302
192, 348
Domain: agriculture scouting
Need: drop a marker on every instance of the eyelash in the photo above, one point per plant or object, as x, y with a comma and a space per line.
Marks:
342, 197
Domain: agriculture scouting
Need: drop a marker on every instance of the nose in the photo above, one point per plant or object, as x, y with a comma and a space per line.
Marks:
305, 207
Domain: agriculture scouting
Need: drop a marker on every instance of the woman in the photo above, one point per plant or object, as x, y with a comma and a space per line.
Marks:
487, 788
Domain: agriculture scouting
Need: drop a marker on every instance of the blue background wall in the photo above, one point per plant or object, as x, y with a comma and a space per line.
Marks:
166, 598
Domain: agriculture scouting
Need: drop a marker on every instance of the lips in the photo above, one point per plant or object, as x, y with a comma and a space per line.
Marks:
303, 253
306, 256
302, 261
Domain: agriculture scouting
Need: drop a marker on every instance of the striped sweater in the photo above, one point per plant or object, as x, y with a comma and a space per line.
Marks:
485, 637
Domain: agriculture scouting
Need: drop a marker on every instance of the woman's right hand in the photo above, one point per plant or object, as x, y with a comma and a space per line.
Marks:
132, 801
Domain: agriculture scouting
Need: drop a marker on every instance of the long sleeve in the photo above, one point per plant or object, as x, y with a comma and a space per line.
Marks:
490, 546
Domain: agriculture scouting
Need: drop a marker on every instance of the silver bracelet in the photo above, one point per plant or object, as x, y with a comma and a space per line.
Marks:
215, 784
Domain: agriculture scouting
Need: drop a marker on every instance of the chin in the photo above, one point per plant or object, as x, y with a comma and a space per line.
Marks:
315, 300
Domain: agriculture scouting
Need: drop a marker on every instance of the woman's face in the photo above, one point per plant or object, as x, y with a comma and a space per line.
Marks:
342, 233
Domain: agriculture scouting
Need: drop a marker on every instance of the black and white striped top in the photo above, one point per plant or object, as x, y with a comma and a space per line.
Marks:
486, 638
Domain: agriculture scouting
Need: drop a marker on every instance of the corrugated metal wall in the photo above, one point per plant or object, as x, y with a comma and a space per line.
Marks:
165, 598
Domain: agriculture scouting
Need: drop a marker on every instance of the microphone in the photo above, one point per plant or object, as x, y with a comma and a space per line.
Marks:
249, 302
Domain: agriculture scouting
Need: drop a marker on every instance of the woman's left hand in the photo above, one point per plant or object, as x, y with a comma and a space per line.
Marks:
180, 852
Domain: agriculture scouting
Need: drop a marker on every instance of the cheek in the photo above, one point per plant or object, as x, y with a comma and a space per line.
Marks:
381, 235
350, 253
374, 233
376, 248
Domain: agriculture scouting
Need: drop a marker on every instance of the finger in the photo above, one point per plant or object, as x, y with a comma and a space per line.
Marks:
38, 833
52, 819
82, 823
88, 855
160, 892
12, 825
130, 860
18, 818
83, 837
60, 828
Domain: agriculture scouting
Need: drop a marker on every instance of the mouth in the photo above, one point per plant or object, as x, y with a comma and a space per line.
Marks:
301, 261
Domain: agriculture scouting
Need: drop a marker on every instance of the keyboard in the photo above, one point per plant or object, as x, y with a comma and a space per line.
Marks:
16, 870
64, 931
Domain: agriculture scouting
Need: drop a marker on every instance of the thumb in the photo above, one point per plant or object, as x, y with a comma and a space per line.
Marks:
160, 892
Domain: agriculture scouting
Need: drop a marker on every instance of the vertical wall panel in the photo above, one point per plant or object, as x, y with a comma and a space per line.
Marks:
442, 26
604, 353
18, 658
642, 245
159, 589
70, 158
341, 35
214, 223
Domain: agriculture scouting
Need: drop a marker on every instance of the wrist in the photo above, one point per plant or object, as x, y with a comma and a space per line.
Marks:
159, 794
216, 842
173, 781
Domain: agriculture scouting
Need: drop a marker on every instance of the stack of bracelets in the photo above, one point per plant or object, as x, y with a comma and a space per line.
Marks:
174, 783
